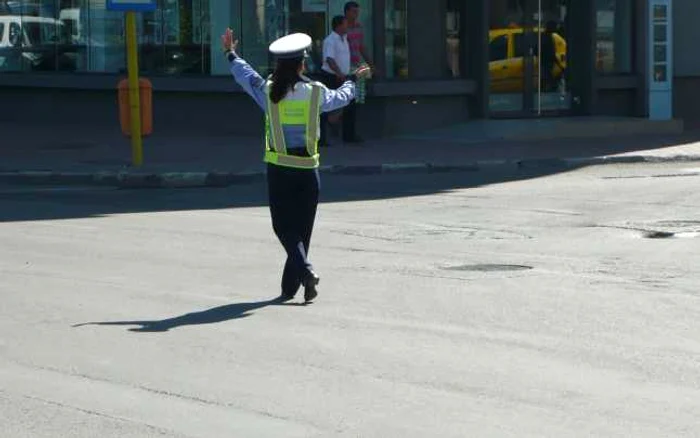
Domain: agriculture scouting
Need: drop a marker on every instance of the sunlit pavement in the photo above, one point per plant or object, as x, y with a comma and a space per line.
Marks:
542, 304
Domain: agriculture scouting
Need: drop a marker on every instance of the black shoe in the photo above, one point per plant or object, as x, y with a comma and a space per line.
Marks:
285, 297
310, 283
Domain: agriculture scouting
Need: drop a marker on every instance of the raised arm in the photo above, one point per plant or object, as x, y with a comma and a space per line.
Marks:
337, 99
251, 82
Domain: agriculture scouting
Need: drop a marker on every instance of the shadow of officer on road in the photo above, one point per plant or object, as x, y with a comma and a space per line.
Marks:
211, 316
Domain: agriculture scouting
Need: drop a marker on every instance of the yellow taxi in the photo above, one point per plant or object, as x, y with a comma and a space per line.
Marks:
507, 51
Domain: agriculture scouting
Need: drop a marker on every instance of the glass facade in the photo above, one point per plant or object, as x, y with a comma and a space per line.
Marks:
396, 36
31, 38
614, 36
528, 56
528, 42
263, 21
179, 38
176, 38
83, 36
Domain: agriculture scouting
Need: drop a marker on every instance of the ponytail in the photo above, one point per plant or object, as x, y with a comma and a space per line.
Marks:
285, 76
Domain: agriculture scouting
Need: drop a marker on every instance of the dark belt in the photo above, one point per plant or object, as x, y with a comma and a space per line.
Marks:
298, 152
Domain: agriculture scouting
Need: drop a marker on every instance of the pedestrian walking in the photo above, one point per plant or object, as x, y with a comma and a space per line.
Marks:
293, 105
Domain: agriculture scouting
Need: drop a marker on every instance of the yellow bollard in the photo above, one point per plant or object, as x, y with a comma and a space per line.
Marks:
134, 98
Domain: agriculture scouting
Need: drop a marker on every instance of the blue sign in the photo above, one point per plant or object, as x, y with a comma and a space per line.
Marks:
131, 5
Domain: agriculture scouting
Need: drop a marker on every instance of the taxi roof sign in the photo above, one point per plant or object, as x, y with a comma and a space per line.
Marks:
131, 5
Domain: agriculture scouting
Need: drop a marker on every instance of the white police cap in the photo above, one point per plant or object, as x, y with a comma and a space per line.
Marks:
291, 46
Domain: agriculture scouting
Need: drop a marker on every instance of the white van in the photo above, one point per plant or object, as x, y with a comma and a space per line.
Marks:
27, 39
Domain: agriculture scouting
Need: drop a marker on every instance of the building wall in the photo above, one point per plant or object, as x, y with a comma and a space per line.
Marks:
686, 95
203, 113
407, 115
616, 102
686, 84
686, 17
219, 114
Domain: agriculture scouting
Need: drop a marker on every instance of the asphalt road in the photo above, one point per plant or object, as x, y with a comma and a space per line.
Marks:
549, 304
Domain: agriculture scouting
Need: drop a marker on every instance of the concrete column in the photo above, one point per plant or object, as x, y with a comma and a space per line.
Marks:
582, 55
476, 54
623, 36
427, 39
378, 34
641, 58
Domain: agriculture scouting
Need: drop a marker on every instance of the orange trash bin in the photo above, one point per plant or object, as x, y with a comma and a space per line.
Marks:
146, 99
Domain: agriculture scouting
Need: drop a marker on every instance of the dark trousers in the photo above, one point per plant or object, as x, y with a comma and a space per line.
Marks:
293, 196
349, 116
349, 112
549, 82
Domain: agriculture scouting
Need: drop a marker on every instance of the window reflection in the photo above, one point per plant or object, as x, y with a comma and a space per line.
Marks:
311, 19
396, 39
263, 21
83, 36
174, 39
30, 37
528, 56
614, 36
266, 20
455, 16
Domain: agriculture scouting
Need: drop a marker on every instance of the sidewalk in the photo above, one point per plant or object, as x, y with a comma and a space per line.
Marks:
78, 154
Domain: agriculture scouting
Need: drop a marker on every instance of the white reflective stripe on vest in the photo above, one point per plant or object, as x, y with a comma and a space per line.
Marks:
274, 126
301, 108
314, 125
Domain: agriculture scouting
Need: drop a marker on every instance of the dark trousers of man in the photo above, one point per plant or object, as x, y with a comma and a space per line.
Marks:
349, 112
293, 196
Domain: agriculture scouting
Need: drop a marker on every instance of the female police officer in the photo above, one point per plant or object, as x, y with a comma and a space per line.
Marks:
293, 105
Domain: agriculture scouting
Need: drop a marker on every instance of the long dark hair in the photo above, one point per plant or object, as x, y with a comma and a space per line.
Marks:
285, 76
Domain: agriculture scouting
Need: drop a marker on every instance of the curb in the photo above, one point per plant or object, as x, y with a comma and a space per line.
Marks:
138, 180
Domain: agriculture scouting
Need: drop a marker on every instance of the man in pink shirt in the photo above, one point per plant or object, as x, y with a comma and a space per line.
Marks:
356, 35
358, 55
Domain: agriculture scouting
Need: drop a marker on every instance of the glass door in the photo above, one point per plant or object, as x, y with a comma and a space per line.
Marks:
527, 58
510, 71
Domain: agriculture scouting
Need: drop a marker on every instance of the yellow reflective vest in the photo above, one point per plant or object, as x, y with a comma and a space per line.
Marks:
294, 124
